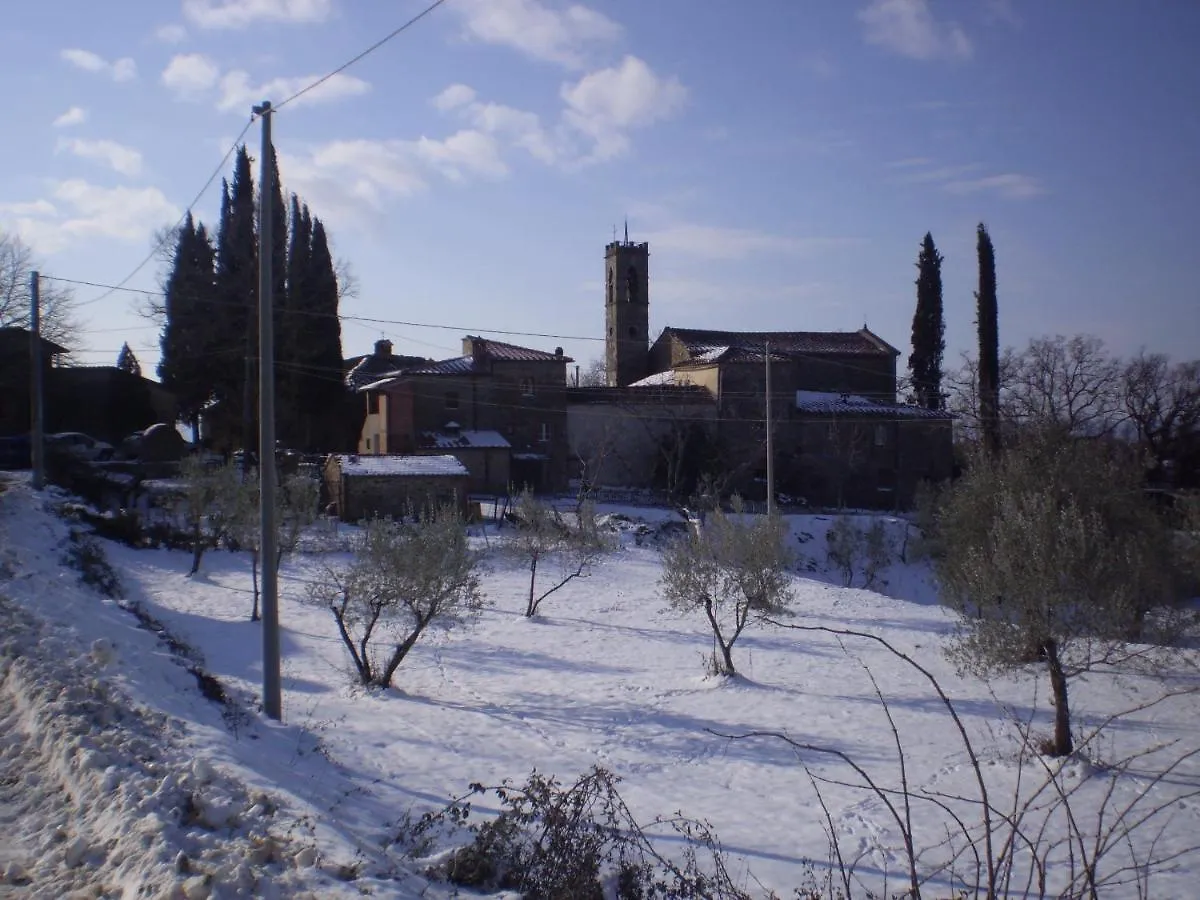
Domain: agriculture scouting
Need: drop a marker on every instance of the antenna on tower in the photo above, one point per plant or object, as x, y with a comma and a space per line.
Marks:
614, 234
627, 230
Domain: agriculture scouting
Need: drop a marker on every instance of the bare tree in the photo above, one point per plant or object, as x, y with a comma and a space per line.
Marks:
1050, 552
295, 510
213, 498
850, 442
595, 374
964, 401
732, 567
18, 262
545, 537
1070, 383
404, 579
1163, 404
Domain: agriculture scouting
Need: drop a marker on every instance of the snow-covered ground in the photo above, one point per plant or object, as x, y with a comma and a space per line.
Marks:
604, 676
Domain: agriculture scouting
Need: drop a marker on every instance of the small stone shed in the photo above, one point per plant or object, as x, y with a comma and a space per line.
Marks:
368, 487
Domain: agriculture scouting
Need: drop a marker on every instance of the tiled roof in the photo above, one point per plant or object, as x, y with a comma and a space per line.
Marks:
460, 365
702, 341
513, 353
452, 440
363, 370
643, 392
410, 466
852, 404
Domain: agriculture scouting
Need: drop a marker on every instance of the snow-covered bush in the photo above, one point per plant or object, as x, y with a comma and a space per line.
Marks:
404, 578
851, 550
731, 567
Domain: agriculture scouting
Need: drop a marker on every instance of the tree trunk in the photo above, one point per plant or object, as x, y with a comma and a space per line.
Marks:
254, 577
531, 606
197, 550
1063, 745
401, 651
727, 653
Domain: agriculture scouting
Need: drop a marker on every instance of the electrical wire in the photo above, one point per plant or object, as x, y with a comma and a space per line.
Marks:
120, 285
344, 66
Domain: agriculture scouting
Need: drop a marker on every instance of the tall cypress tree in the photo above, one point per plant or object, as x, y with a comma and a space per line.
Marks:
327, 387
928, 328
237, 291
294, 351
986, 317
185, 366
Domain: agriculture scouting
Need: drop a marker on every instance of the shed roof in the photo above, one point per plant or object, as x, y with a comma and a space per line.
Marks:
401, 466
828, 403
447, 440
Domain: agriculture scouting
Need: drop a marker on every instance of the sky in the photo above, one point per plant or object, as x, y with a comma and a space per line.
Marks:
783, 158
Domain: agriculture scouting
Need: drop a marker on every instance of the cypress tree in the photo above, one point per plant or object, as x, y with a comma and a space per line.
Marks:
127, 362
185, 367
986, 317
928, 328
295, 352
237, 292
327, 388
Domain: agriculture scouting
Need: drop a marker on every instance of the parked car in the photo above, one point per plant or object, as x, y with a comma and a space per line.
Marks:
80, 445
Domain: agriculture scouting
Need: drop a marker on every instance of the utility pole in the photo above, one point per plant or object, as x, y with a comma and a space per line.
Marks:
272, 693
770, 439
37, 424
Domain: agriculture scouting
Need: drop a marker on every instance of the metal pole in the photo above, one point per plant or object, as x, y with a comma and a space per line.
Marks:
37, 423
272, 694
770, 439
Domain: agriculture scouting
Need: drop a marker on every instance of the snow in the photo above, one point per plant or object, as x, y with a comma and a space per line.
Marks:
452, 437
657, 380
401, 465
604, 676
826, 401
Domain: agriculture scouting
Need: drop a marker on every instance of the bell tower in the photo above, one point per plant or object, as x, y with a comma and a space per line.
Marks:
626, 311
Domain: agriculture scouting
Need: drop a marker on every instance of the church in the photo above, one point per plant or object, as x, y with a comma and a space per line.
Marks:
691, 407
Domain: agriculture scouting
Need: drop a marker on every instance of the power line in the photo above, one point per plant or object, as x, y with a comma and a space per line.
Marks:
120, 285
379, 43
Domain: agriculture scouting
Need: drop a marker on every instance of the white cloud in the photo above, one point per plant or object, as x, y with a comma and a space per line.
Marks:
453, 97
463, 153
241, 13
561, 36
124, 69
88, 210
120, 158
238, 94
170, 34
604, 104
76, 115
599, 110
1011, 185
908, 27
737, 243
29, 208
190, 74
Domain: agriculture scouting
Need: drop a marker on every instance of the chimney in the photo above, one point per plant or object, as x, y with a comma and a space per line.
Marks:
383, 347
558, 351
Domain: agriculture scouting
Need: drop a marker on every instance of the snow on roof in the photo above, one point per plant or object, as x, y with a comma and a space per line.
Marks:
853, 404
445, 441
431, 466
667, 377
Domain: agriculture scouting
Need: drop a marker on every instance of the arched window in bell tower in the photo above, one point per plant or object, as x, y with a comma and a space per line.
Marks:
610, 287
631, 285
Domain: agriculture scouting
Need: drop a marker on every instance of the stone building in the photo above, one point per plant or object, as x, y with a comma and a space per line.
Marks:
499, 408
830, 393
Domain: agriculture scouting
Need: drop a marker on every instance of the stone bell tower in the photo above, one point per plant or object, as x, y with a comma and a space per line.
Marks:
626, 311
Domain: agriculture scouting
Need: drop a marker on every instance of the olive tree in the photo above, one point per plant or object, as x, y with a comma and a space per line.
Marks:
212, 499
1051, 553
404, 578
545, 539
731, 567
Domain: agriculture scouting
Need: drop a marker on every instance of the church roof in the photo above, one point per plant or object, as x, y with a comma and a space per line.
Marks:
746, 346
486, 347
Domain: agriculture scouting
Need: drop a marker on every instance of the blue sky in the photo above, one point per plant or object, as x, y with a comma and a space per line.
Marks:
783, 158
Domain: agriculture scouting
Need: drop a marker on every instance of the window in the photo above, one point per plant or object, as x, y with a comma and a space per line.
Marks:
631, 285
373, 402
544, 433
527, 387
632, 331
451, 400
368, 450
880, 435
610, 287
